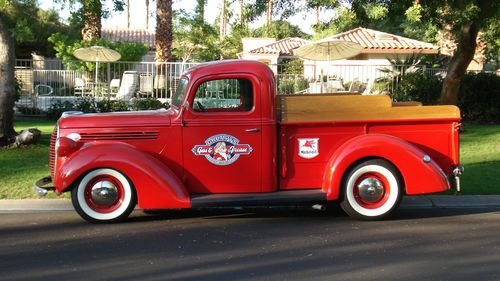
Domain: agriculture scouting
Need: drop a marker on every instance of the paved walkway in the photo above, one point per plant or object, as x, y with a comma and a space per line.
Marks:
422, 201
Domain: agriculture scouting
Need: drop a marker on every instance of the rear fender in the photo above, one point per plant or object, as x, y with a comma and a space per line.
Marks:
418, 176
156, 185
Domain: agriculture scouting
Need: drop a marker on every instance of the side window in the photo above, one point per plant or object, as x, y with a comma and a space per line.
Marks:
224, 95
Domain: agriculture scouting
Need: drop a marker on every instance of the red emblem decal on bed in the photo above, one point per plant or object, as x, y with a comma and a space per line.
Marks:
308, 148
222, 149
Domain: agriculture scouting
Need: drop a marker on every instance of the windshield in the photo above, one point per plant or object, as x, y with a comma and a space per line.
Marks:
180, 93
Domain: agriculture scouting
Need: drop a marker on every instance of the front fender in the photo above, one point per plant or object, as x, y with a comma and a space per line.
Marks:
419, 177
156, 185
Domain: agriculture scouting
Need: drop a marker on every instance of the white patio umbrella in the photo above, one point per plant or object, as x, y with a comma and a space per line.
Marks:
97, 54
327, 50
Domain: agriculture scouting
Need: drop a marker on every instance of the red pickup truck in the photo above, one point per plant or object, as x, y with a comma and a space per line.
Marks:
229, 140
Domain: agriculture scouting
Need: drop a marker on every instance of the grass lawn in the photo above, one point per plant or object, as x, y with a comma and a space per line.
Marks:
480, 154
21, 167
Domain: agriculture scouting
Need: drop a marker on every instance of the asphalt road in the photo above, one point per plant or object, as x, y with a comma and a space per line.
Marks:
416, 244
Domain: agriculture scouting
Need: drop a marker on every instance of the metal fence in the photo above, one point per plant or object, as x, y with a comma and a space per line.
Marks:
46, 83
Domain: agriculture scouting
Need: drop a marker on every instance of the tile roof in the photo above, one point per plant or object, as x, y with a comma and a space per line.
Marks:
133, 35
283, 47
374, 41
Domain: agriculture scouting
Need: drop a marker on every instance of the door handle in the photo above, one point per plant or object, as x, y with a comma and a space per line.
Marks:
253, 130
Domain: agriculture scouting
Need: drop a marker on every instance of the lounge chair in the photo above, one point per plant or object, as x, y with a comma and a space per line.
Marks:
128, 86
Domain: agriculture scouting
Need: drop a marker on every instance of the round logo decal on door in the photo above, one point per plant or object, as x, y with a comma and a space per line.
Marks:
222, 149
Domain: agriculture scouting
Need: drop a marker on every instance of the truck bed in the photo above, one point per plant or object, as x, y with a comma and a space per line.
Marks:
333, 120
328, 108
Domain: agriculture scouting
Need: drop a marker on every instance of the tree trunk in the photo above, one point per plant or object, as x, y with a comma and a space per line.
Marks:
7, 86
92, 11
459, 63
147, 14
127, 12
223, 20
163, 30
269, 15
242, 14
200, 10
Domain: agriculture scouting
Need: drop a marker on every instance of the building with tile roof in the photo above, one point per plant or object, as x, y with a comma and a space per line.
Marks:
378, 42
377, 48
132, 35
270, 51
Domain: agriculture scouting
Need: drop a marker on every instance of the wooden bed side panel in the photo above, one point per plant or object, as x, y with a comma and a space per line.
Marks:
305, 108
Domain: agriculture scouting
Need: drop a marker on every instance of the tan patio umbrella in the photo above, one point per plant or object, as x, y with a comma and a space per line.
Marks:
327, 50
97, 54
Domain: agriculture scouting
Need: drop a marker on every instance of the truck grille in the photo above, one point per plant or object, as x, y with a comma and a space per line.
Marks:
52, 153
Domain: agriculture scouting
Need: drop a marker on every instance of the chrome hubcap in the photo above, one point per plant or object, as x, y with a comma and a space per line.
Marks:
104, 193
371, 190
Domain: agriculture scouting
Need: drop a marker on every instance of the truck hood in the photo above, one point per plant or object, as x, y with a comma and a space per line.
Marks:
149, 118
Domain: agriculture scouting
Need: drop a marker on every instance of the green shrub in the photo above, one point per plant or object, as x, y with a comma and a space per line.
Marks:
57, 108
30, 110
86, 105
479, 98
418, 87
148, 104
286, 86
300, 84
111, 106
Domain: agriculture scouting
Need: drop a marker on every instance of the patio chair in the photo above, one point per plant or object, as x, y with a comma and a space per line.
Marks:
81, 87
355, 86
146, 84
128, 86
114, 86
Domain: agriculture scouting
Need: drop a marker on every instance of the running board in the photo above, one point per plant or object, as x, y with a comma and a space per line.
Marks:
258, 199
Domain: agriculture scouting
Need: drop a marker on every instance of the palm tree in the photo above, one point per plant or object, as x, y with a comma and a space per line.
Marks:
163, 30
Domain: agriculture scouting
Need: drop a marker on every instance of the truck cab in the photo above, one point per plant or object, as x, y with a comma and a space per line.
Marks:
229, 140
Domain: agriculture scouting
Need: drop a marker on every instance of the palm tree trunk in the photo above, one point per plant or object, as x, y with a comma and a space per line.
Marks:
127, 12
163, 30
147, 14
92, 11
242, 14
7, 88
223, 20
269, 15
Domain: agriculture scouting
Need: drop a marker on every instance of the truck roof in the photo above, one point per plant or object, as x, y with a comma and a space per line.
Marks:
231, 66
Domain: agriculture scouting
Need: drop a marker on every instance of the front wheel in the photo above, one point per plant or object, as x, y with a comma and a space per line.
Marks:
372, 190
104, 195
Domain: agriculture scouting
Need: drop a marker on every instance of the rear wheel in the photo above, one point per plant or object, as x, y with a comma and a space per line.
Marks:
372, 190
104, 195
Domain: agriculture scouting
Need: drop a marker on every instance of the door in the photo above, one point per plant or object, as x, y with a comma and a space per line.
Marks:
222, 136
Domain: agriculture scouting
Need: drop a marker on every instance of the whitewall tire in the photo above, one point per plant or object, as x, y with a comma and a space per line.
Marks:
371, 190
104, 195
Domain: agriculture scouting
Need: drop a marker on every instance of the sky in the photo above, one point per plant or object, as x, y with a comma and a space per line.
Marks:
303, 20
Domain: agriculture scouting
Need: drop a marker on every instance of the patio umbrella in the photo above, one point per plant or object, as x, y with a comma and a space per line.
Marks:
328, 49
97, 54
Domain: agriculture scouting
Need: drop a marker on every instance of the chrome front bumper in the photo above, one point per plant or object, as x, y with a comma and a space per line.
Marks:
40, 187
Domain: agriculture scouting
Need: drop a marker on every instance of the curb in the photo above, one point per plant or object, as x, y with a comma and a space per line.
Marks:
420, 201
